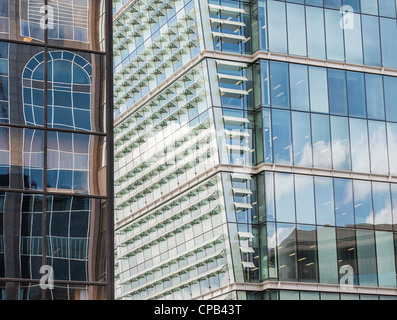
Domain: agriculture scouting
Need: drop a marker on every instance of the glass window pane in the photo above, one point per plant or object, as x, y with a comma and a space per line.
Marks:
363, 210
315, 32
327, 260
318, 89
378, 147
388, 31
337, 92
307, 253
286, 247
321, 141
366, 258
282, 145
385, 258
324, 194
277, 27
382, 205
302, 144
359, 145
296, 29
279, 84
267, 136
343, 202
284, 195
346, 248
390, 85
356, 94
371, 40
304, 199
334, 35
340, 143
374, 92
299, 87
353, 43
269, 196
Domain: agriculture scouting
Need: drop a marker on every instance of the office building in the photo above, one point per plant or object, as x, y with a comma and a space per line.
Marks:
255, 149
54, 193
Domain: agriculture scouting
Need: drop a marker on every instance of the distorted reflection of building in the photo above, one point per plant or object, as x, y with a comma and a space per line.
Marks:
52, 149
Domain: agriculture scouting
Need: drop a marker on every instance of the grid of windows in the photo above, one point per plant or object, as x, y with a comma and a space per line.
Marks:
4, 115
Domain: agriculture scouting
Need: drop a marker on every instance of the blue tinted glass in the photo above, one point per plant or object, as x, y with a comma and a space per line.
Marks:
337, 92
277, 27
390, 85
356, 94
388, 30
374, 92
80, 76
343, 202
315, 32
279, 84
359, 145
284, 195
334, 35
364, 215
62, 71
282, 146
321, 141
3, 50
340, 143
378, 147
371, 40
296, 29
301, 134
324, 195
299, 86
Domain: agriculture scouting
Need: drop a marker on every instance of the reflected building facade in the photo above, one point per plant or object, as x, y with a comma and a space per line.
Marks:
53, 187
255, 149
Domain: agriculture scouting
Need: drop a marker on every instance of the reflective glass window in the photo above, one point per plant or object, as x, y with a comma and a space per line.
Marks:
343, 191
299, 86
390, 85
301, 134
282, 144
347, 253
286, 249
304, 199
363, 209
277, 26
334, 35
340, 143
385, 259
382, 205
315, 32
359, 145
371, 40
378, 147
327, 259
374, 95
318, 89
321, 141
307, 253
284, 197
324, 196
366, 258
337, 92
296, 29
353, 40
279, 84
356, 94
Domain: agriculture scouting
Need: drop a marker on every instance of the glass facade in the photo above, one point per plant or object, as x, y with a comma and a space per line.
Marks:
54, 193
255, 143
